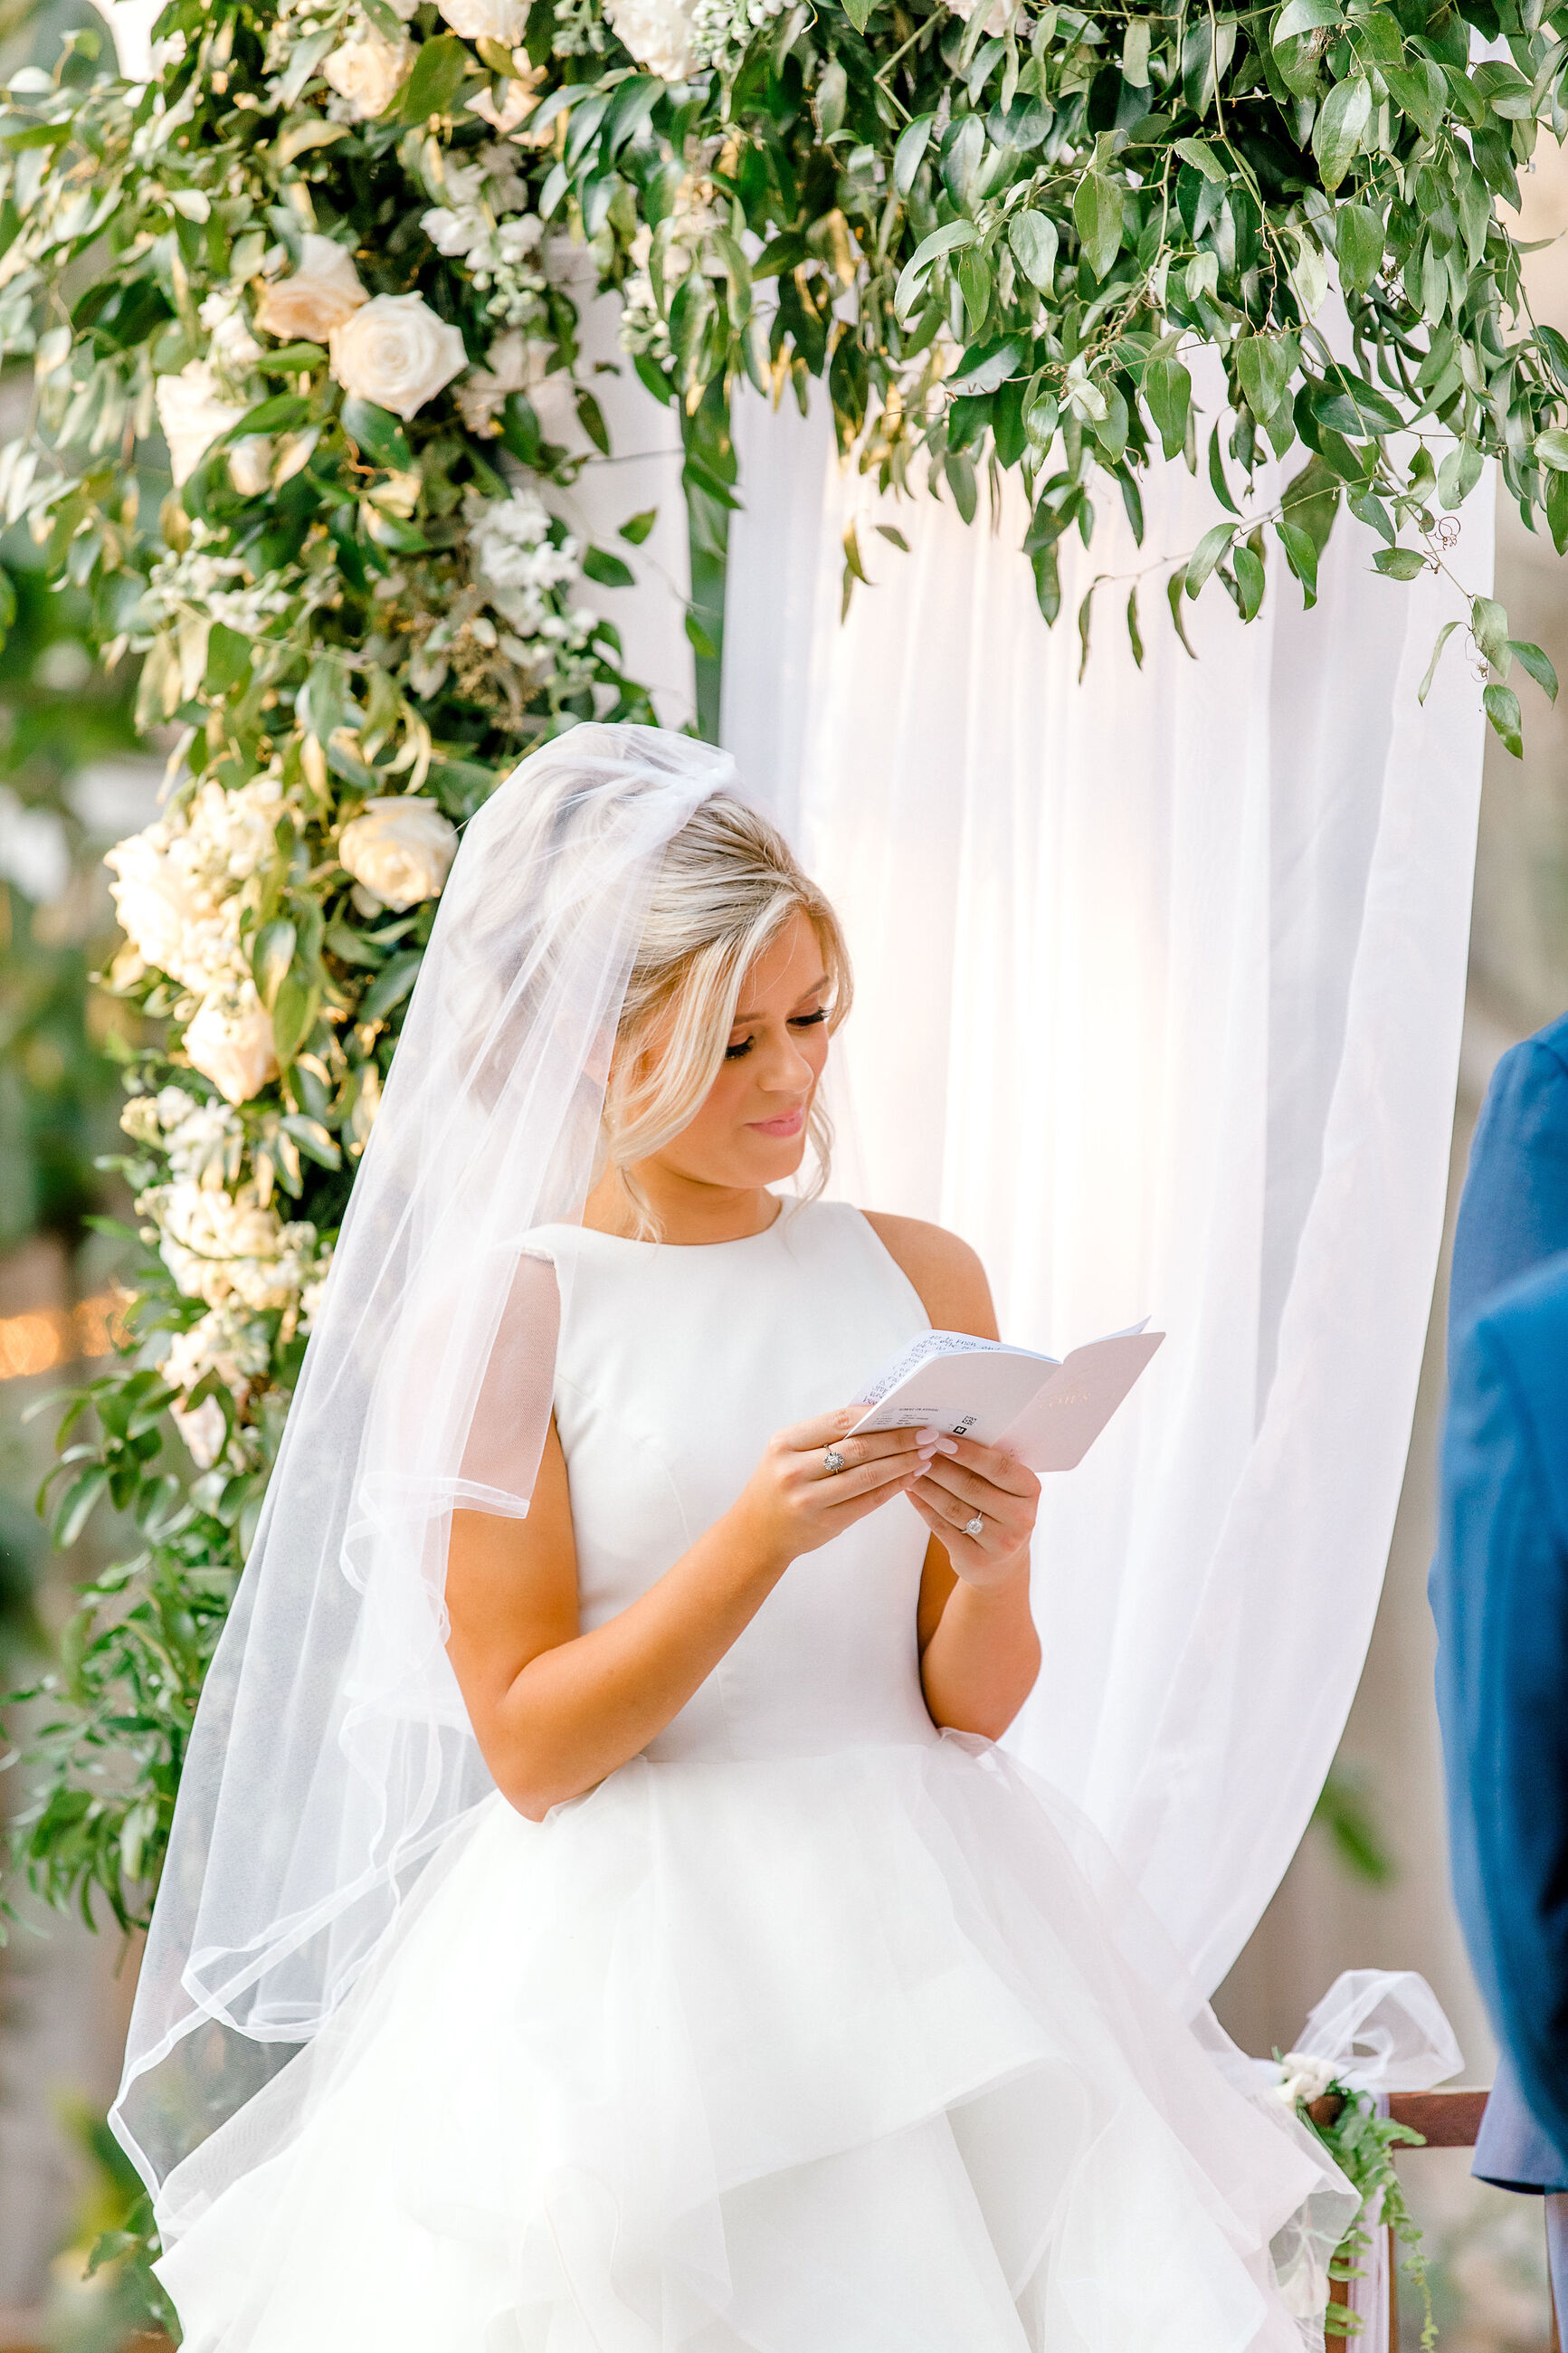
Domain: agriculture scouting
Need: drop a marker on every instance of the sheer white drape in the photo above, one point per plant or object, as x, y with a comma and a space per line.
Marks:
1160, 980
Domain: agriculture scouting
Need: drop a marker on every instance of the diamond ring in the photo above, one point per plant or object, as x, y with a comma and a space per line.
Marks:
976, 1526
833, 1460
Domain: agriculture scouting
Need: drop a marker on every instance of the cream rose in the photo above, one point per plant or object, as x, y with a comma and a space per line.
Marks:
230, 1041
396, 353
657, 33
157, 909
317, 297
202, 1430
369, 71
191, 415
487, 20
400, 849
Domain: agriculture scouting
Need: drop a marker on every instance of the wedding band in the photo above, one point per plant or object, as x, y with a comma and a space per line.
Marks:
833, 1462
976, 1526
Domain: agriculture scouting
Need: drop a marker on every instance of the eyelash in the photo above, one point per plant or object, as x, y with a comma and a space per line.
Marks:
802, 1022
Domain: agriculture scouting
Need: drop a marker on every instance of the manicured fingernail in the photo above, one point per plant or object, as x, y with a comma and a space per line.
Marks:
928, 1436
946, 1446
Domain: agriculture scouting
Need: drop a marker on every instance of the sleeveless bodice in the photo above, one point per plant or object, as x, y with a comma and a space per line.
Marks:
675, 1367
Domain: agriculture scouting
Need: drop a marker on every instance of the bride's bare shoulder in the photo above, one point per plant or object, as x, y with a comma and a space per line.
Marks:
945, 1272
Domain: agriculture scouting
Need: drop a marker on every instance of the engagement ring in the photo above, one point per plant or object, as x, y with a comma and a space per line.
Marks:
976, 1526
832, 1460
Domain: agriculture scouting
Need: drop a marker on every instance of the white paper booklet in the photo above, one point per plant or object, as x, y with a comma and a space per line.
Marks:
1046, 1413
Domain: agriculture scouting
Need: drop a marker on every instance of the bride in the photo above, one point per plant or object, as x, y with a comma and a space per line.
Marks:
598, 1919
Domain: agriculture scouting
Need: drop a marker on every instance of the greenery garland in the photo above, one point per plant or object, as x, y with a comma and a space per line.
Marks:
1362, 2144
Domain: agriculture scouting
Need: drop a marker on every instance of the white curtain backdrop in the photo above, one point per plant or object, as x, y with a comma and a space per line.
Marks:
1160, 981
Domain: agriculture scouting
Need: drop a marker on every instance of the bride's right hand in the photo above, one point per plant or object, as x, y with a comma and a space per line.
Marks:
792, 1503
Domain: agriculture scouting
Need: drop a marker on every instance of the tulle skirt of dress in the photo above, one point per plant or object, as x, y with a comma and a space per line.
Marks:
834, 2054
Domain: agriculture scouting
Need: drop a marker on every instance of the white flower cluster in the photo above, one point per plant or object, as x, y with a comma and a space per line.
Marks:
1304, 2077
722, 29
520, 567
218, 588
222, 1246
516, 362
180, 891
485, 224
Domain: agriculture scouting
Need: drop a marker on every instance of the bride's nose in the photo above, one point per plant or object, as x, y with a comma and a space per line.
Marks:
783, 1068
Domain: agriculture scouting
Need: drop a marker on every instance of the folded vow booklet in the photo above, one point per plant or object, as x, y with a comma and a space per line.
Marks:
1046, 1413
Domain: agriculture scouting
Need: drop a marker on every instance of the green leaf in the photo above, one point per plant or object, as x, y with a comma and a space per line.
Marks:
1302, 554
1084, 621
1358, 244
294, 1014
591, 417
291, 359
1531, 658
439, 70
636, 529
1263, 363
1458, 474
1399, 563
1173, 588
392, 987
984, 367
1550, 448
1300, 17
1202, 157
377, 435
974, 285
1096, 214
960, 479
1213, 543
1134, 635
1351, 407
1167, 390
1443, 633
1501, 706
912, 277
1250, 577
1034, 238
313, 1140
909, 153
1488, 627
607, 570
74, 1506
271, 958
1343, 120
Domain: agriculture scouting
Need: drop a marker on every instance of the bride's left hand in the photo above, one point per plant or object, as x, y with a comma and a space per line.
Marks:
965, 1478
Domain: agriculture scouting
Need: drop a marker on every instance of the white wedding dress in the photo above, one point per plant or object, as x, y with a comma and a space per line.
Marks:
811, 2030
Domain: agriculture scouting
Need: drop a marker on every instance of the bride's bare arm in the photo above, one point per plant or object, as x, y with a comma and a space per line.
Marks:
553, 1709
979, 1651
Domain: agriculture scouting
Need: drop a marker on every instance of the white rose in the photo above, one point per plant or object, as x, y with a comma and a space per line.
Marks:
400, 849
152, 898
657, 33
192, 416
318, 296
230, 1041
487, 20
396, 353
369, 71
202, 1430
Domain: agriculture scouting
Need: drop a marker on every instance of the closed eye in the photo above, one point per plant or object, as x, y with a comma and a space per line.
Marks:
742, 1046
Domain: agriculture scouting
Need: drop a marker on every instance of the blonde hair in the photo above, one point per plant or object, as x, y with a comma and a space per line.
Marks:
728, 886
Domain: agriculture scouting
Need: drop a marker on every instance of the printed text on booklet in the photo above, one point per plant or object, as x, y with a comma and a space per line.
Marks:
1046, 1413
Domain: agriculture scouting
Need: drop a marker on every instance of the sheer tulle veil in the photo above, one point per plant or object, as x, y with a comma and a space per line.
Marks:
331, 1755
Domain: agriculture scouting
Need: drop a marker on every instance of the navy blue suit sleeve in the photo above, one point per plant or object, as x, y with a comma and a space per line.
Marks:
1513, 1211
1506, 1719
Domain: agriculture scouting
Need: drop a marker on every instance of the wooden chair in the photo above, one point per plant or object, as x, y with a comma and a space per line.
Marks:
1444, 2120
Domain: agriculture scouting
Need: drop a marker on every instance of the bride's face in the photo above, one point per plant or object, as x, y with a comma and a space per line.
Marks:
751, 1130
